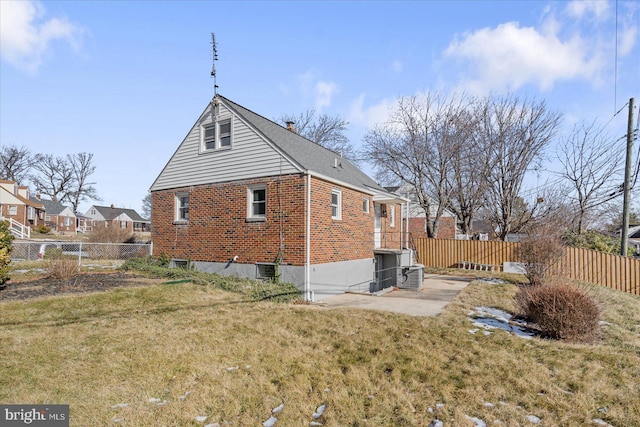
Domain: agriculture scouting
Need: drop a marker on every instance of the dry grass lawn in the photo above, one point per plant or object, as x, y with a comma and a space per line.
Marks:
111, 355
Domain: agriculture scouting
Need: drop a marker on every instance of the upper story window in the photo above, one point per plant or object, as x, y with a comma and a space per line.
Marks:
182, 207
336, 204
257, 203
209, 138
216, 135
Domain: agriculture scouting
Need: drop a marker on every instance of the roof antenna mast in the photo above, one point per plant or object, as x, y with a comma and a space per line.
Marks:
213, 68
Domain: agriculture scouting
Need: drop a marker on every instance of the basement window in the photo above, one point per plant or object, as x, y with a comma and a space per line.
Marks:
265, 271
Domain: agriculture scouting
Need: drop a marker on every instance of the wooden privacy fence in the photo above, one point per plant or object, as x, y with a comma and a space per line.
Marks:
612, 271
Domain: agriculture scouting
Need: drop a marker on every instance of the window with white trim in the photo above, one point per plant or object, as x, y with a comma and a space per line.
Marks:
209, 136
67, 221
13, 210
336, 204
224, 133
216, 135
182, 207
365, 206
257, 202
31, 213
123, 224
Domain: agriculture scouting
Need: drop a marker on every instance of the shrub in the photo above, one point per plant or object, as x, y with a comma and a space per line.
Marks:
5, 251
561, 311
596, 241
61, 268
42, 229
111, 235
539, 252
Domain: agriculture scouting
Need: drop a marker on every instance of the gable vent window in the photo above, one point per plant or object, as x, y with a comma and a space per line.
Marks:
216, 135
209, 138
225, 133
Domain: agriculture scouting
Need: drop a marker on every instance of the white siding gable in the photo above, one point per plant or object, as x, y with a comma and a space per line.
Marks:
67, 212
250, 156
97, 216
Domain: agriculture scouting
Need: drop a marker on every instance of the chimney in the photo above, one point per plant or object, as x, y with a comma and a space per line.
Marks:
290, 126
38, 196
113, 207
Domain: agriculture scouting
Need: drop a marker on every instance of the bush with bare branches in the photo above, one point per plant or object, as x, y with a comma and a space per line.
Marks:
539, 252
111, 235
561, 310
62, 268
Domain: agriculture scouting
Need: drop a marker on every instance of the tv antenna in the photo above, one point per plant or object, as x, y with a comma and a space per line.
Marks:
213, 68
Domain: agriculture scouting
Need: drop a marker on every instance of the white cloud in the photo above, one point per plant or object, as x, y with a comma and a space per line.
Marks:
26, 37
371, 115
579, 9
324, 91
510, 56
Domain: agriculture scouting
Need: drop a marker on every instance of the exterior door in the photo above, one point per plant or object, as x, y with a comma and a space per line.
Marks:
377, 212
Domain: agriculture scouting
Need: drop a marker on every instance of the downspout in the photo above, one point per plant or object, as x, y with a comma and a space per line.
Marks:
307, 264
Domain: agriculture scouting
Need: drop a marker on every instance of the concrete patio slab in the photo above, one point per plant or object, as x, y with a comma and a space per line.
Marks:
437, 292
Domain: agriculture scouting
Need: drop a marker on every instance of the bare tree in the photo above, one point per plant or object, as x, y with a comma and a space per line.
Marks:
81, 189
417, 146
146, 206
515, 134
15, 163
467, 179
65, 179
590, 166
53, 177
323, 129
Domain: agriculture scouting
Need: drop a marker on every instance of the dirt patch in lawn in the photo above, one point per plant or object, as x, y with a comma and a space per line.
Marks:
82, 283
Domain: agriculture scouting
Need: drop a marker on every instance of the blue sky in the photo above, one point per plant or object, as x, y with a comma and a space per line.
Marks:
127, 80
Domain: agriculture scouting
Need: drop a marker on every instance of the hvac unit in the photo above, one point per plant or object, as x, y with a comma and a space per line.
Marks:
413, 277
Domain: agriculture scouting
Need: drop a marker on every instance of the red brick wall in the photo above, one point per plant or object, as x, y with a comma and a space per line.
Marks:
349, 238
218, 229
446, 228
21, 215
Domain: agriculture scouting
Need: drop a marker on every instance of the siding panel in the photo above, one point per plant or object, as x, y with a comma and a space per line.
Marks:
249, 157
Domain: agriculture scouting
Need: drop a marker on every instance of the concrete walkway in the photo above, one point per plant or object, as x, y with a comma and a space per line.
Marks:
436, 293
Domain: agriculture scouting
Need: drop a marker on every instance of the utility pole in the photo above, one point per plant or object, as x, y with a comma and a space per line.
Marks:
627, 184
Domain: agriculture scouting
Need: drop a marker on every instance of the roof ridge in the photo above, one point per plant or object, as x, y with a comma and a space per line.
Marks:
279, 125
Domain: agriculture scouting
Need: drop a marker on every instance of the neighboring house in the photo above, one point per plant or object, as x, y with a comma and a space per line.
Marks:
16, 206
634, 238
447, 226
58, 217
245, 196
111, 216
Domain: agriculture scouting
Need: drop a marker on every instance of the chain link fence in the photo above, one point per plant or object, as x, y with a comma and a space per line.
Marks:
84, 252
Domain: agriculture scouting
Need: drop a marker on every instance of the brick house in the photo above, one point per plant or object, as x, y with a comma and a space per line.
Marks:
447, 225
111, 216
58, 217
247, 197
17, 207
